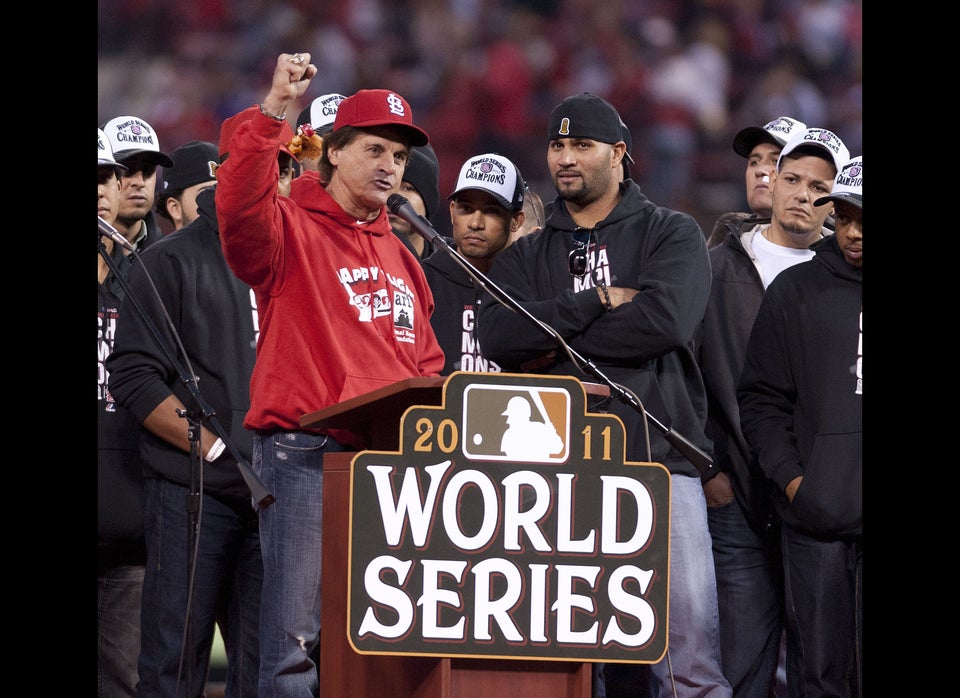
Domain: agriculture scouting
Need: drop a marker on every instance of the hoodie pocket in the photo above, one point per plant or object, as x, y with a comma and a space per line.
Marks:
830, 498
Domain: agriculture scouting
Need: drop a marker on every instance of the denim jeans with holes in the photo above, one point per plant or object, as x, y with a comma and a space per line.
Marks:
290, 464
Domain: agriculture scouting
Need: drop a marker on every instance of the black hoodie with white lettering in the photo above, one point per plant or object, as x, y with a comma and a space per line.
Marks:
645, 344
457, 298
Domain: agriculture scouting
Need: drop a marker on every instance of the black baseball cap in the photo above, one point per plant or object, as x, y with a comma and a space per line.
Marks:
627, 157
193, 163
586, 116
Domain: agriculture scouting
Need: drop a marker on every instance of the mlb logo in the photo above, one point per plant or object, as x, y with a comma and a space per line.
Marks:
526, 424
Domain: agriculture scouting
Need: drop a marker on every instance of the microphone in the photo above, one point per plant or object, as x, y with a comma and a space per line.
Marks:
400, 206
765, 179
114, 234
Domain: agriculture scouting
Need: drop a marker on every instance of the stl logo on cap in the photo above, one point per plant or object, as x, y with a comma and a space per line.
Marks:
370, 108
396, 105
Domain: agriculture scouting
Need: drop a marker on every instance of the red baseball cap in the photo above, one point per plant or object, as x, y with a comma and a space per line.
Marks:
379, 108
229, 126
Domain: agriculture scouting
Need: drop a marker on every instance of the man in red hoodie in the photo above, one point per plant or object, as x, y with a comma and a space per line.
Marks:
344, 309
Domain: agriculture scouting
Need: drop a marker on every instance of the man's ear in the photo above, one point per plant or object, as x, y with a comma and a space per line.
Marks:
174, 209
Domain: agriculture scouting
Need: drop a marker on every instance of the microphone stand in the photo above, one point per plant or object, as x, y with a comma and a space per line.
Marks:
399, 206
262, 497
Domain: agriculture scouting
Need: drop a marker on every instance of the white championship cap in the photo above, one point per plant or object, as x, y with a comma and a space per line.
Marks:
131, 135
819, 138
105, 153
848, 185
776, 132
494, 174
321, 112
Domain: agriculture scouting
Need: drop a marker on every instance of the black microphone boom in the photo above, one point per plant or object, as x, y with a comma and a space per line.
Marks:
399, 206
104, 228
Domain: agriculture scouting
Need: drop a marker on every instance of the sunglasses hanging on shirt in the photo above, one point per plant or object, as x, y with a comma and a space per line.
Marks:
577, 263
577, 259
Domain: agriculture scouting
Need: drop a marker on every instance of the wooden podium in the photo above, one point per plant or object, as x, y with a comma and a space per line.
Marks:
345, 673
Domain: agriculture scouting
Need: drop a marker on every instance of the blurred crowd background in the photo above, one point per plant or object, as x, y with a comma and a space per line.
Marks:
483, 75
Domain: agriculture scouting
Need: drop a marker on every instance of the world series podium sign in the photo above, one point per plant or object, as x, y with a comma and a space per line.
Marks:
509, 525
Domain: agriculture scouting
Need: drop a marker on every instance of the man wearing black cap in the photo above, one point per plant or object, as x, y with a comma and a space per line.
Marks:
194, 169
628, 281
345, 309
801, 407
421, 187
136, 146
746, 546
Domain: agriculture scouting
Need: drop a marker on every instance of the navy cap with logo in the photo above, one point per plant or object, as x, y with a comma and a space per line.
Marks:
586, 116
193, 163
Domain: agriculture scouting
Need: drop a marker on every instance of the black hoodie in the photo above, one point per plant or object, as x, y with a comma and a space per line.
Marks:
214, 315
800, 393
119, 473
644, 345
456, 299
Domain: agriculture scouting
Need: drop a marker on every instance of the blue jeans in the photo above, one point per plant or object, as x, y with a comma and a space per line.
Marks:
822, 586
691, 667
226, 592
290, 464
750, 595
119, 590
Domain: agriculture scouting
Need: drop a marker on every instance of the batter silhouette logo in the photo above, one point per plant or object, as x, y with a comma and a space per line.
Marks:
509, 524
516, 423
